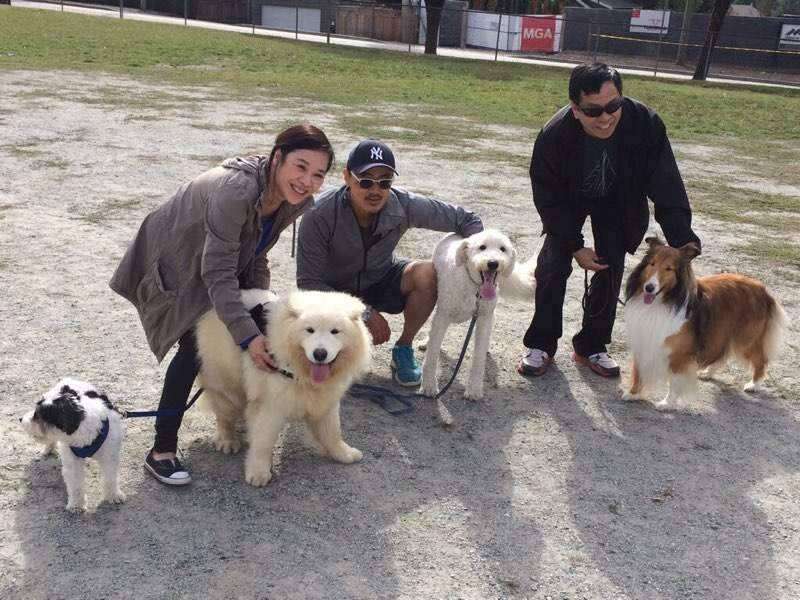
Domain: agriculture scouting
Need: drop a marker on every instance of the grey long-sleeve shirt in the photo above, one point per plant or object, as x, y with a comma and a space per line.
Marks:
330, 250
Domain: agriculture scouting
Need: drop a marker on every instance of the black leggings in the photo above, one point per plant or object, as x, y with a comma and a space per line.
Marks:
175, 393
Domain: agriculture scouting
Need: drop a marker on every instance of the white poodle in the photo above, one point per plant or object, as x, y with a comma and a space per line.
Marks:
469, 271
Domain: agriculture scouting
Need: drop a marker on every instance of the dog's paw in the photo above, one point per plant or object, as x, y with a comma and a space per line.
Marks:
753, 387
473, 393
664, 404
429, 389
76, 506
258, 478
348, 454
705, 374
48, 450
227, 445
629, 396
115, 498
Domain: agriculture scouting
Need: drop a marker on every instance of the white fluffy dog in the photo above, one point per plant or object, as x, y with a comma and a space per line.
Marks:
471, 270
322, 345
83, 424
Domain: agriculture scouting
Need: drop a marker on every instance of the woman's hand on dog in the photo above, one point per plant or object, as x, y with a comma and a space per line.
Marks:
378, 327
259, 352
587, 259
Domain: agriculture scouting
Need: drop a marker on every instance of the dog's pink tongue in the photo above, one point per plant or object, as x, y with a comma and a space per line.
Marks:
320, 372
648, 298
487, 290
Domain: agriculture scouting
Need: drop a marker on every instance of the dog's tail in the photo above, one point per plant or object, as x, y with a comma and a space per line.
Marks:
776, 330
521, 284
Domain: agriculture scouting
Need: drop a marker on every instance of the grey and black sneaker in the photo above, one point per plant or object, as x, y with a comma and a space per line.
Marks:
169, 471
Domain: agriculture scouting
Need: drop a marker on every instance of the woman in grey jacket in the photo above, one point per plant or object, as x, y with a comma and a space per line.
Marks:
200, 248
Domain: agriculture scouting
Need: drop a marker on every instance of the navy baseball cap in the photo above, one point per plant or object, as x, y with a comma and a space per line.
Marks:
368, 154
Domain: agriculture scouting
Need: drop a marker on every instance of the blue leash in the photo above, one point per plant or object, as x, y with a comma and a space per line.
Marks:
377, 394
164, 412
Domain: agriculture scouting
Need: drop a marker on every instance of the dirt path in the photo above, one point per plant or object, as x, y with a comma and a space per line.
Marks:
547, 489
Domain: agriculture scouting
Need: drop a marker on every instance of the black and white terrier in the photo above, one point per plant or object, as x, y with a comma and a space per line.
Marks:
81, 422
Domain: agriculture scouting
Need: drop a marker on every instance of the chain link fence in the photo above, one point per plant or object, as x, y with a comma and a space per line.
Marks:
754, 48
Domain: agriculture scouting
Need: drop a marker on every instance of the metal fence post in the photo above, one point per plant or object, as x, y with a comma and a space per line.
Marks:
589, 41
252, 16
297, 22
121, 8
660, 39
185, 12
497, 43
329, 16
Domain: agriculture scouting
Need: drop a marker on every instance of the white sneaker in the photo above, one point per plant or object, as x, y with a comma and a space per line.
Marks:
600, 362
534, 362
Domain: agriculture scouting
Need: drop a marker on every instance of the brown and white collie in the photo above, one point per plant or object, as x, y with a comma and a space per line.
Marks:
677, 324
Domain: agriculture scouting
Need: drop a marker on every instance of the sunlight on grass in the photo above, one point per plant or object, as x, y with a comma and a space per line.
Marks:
499, 93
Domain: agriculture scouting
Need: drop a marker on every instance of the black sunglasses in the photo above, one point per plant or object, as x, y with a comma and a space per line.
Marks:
366, 184
596, 111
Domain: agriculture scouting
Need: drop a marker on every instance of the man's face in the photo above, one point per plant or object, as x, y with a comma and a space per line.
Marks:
368, 201
602, 126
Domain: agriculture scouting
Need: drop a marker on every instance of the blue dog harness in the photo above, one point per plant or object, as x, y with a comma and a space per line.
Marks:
87, 451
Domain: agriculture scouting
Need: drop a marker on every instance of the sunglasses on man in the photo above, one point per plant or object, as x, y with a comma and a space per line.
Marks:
366, 184
595, 111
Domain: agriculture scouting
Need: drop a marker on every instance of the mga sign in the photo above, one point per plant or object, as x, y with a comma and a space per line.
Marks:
540, 34
790, 34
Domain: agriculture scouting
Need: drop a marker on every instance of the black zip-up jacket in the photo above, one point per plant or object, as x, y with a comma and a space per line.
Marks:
646, 168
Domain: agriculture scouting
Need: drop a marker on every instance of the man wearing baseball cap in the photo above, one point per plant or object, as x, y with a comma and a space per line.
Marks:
346, 243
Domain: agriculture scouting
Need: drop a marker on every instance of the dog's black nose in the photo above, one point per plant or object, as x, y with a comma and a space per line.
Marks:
649, 288
493, 264
20, 419
320, 354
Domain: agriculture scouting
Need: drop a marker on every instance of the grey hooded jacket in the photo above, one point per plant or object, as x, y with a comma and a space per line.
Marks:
198, 249
331, 254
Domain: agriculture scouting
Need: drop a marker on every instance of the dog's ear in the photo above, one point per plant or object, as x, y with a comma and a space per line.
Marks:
64, 413
689, 251
292, 310
461, 253
654, 241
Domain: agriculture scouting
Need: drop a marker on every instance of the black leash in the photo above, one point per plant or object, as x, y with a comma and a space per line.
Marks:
589, 286
379, 394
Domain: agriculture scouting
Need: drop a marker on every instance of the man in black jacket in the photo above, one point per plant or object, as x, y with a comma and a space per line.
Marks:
601, 157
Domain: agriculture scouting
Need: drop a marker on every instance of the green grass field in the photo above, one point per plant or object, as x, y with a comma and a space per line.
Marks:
440, 100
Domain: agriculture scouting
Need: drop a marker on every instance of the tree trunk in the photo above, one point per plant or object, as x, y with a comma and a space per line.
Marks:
712, 35
434, 18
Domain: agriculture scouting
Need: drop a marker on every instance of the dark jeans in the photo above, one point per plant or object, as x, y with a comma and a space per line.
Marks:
553, 268
175, 393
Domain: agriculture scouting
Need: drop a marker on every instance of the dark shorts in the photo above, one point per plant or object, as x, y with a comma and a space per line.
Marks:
386, 295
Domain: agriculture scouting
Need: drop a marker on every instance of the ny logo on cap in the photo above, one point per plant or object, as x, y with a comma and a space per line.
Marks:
375, 153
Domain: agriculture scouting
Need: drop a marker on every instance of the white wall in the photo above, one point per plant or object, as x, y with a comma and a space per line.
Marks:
284, 17
482, 30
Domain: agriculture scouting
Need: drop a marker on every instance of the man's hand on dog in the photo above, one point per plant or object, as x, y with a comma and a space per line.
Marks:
259, 352
378, 327
587, 259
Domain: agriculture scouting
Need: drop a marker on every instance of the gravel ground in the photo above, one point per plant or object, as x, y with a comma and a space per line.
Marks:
551, 488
